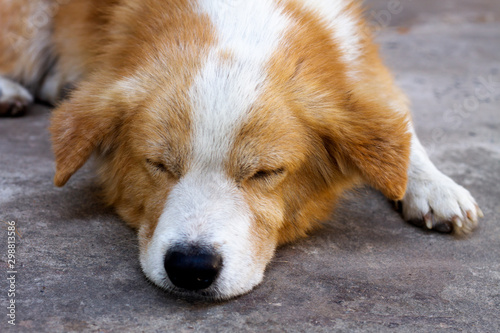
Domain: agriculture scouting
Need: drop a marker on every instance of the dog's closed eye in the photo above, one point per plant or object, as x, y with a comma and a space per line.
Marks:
158, 166
265, 174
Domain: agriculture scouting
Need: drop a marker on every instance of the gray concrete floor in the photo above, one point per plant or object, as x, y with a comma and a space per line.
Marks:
366, 271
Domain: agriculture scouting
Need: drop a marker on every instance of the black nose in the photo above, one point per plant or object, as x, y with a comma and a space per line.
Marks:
194, 269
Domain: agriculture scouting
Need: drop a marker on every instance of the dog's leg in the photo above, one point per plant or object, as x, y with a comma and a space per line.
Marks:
14, 98
433, 200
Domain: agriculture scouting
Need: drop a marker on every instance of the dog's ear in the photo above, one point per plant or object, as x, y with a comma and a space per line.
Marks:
372, 140
78, 127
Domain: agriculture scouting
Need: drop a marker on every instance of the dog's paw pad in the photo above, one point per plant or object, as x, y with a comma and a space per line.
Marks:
14, 99
440, 205
13, 109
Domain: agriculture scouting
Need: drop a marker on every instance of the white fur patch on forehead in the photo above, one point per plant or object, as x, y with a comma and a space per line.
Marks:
234, 72
339, 17
248, 29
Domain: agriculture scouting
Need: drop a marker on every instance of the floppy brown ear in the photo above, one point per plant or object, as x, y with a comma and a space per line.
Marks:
77, 129
374, 141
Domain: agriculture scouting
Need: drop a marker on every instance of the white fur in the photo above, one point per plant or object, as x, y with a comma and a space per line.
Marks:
50, 89
431, 192
225, 90
206, 207
11, 92
345, 27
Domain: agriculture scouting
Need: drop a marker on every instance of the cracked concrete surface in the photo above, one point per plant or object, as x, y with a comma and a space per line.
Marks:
366, 271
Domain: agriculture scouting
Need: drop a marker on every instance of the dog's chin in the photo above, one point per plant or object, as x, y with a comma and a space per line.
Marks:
209, 295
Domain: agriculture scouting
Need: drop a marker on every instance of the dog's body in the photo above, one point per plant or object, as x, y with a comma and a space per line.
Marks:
222, 128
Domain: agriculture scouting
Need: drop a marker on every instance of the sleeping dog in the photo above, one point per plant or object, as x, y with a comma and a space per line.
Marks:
222, 128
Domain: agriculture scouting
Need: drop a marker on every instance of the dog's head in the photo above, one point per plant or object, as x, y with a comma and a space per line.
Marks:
222, 135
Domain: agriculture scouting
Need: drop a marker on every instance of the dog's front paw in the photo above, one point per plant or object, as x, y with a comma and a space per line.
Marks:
436, 202
14, 99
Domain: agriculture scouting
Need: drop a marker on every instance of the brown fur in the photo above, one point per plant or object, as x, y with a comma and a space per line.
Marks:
315, 130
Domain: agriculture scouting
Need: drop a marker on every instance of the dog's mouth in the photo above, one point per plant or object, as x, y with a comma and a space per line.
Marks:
211, 294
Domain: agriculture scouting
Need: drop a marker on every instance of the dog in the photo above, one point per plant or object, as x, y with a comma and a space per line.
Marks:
222, 128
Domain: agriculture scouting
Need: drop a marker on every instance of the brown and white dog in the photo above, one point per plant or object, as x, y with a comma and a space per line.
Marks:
223, 128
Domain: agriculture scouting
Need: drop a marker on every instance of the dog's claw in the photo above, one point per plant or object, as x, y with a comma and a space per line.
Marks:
479, 212
428, 220
441, 205
460, 224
